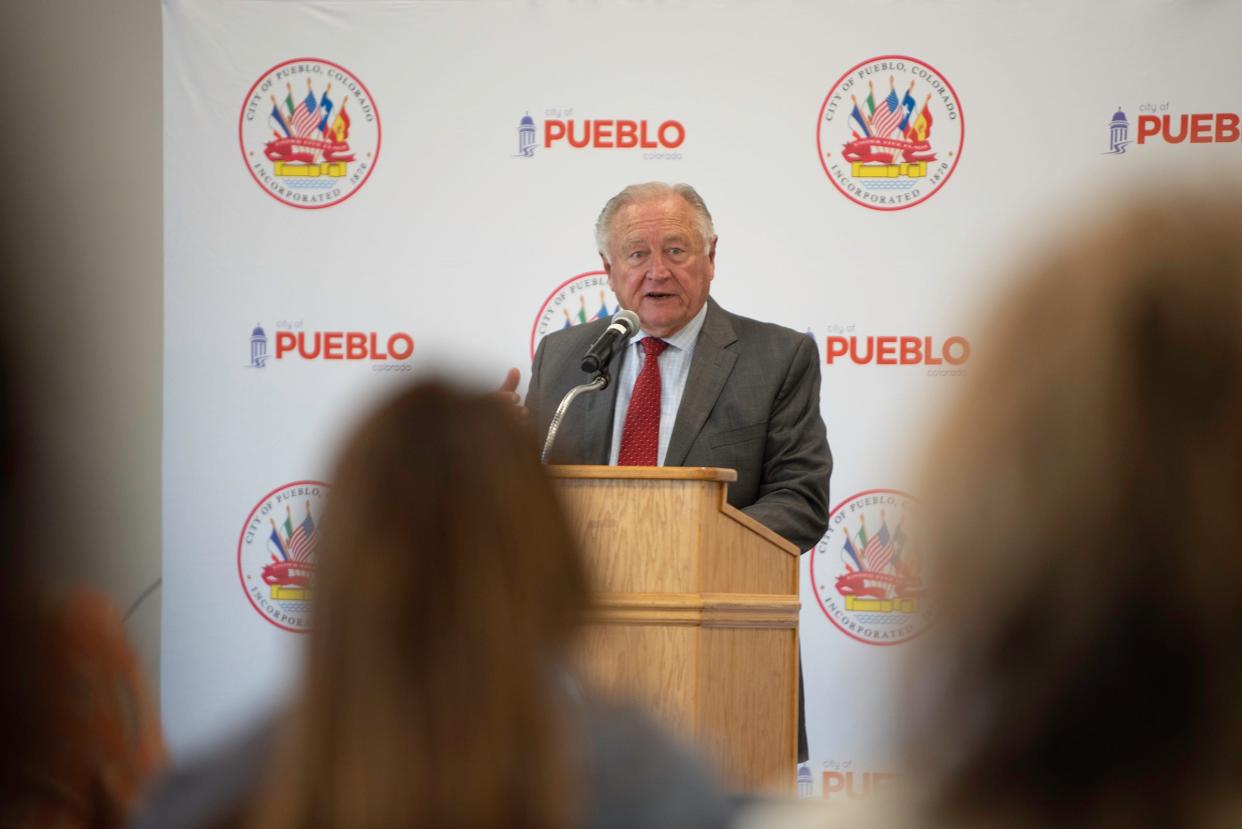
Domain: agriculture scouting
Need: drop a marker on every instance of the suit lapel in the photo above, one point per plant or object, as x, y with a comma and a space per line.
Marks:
597, 412
713, 362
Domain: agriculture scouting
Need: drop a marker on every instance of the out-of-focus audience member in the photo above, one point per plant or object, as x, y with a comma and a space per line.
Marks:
79, 738
436, 690
1086, 500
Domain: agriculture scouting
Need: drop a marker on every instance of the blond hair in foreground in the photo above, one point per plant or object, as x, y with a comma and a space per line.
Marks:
1087, 669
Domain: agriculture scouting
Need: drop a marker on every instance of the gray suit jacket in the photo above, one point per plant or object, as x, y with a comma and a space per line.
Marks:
751, 403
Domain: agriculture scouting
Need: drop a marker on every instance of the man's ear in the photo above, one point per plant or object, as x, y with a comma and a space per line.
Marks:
607, 269
711, 250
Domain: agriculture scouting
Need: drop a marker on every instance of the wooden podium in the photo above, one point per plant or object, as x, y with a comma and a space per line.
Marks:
695, 613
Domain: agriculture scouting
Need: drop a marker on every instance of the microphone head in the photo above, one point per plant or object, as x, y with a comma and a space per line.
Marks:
622, 326
629, 319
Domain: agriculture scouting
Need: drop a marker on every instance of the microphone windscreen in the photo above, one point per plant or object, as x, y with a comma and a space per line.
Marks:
630, 320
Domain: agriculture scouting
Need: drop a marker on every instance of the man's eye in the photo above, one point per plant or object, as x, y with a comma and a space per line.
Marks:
636, 255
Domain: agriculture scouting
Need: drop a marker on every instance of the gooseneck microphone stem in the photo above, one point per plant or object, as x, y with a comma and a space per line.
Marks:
598, 384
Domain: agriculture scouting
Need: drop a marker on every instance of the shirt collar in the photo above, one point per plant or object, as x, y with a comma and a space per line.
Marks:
684, 339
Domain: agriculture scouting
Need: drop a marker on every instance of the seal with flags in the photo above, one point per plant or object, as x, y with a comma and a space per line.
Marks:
309, 132
276, 553
867, 570
879, 152
575, 301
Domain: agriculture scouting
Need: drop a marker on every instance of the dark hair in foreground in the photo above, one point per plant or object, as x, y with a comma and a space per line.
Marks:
1088, 666
448, 590
29, 732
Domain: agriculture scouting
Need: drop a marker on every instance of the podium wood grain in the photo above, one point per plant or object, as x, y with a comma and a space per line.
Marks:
695, 612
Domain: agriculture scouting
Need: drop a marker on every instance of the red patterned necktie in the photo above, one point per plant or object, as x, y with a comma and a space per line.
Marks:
640, 439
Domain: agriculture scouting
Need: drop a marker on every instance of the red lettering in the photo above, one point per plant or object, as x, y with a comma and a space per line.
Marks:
878, 778
1148, 125
1201, 129
1226, 127
586, 135
355, 345
672, 126
627, 134
963, 349
886, 351
855, 785
643, 140
1181, 136
332, 342
911, 351
603, 134
400, 346
863, 790
555, 131
344, 345
308, 354
285, 341
892, 351
846, 782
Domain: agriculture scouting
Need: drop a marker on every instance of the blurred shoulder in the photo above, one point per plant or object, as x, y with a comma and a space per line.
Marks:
775, 813
214, 787
635, 774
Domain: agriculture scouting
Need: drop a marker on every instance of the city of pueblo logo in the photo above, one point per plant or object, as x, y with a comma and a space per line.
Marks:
562, 129
293, 341
1157, 124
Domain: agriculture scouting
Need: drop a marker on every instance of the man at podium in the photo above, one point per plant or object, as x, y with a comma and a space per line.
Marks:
697, 385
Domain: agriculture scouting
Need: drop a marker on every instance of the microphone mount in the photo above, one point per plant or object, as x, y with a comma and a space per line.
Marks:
598, 383
596, 362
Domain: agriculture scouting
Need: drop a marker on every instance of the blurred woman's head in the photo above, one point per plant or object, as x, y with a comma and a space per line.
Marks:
1088, 506
447, 592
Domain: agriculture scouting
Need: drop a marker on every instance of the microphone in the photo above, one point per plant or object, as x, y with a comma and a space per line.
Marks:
599, 355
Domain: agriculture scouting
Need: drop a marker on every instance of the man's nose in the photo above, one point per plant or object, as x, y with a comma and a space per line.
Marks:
658, 267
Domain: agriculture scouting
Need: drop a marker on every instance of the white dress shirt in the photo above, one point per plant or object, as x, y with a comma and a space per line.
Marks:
674, 369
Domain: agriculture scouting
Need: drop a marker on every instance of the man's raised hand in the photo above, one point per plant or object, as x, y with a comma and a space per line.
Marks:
507, 393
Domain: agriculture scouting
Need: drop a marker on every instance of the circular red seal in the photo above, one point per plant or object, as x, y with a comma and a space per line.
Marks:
579, 299
867, 570
276, 553
309, 133
890, 132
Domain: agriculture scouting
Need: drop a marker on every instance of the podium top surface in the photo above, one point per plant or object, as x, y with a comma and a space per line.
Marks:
657, 473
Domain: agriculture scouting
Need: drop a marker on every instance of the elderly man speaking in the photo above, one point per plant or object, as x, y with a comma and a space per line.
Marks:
697, 386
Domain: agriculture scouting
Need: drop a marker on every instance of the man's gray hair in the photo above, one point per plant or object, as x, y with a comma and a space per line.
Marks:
643, 192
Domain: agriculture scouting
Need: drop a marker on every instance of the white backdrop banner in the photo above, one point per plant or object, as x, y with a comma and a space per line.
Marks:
356, 193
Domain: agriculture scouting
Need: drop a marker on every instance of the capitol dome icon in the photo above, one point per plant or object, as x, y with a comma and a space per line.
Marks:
258, 347
1118, 133
526, 136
